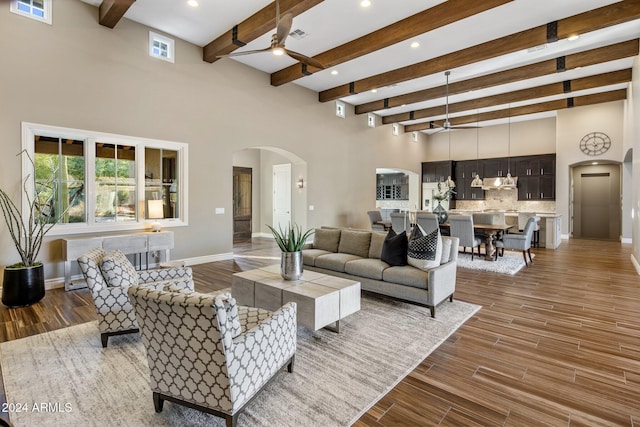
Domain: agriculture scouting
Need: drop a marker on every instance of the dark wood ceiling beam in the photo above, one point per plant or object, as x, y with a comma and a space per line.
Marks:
428, 20
603, 17
580, 101
605, 79
582, 59
253, 27
112, 11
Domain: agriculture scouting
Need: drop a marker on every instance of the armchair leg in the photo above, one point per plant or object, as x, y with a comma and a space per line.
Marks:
529, 252
433, 309
232, 420
158, 402
105, 339
451, 298
291, 363
524, 255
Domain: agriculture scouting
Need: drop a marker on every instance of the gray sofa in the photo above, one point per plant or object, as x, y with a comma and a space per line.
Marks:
355, 255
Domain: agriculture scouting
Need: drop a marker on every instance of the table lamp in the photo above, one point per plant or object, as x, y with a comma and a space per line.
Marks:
155, 211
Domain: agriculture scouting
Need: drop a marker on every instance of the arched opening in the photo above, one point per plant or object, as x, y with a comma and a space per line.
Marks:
261, 161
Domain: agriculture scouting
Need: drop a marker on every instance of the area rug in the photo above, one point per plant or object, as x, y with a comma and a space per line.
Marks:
66, 378
510, 263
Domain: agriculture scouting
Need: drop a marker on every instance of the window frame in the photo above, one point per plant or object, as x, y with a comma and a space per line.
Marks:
30, 130
163, 39
47, 18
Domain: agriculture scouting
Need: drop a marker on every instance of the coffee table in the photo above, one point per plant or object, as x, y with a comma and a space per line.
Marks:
322, 300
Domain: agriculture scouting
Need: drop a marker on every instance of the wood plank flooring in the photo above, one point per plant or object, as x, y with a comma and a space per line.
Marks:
556, 344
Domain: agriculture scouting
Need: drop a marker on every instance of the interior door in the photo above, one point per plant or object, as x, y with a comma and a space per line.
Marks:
596, 202
281, 195
242, 178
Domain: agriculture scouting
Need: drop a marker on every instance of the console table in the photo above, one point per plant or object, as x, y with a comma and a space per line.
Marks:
132, 243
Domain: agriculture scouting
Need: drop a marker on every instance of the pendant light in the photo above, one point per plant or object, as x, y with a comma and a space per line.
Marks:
477, 181
449, 182
509, 181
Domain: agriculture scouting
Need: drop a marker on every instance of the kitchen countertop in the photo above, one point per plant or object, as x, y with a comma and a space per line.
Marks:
510, 212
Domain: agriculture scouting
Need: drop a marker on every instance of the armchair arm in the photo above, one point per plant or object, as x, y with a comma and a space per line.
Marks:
442, 282
161, 274
275, 337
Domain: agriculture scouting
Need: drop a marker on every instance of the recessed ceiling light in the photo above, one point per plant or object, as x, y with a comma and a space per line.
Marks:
278, 51
334, 72
594, 163
573, 37
415, 45
365, 3
193, 3
374, 90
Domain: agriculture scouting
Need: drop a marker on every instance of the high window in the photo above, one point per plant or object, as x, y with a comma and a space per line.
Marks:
99, 182
161, 47
39, 10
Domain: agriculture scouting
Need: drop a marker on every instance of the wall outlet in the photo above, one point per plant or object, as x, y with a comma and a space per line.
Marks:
219, 211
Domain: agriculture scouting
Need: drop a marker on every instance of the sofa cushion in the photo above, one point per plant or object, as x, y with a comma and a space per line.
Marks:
326, 239
335, 262
375, 248
368, 267
118, 270
355, 243
424, 249
446, 251
407, 275
394, 248
309, 255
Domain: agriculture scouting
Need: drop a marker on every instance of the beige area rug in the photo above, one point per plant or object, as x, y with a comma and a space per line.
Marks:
510, 263
66, 378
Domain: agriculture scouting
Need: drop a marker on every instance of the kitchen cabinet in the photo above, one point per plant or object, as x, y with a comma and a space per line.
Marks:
394, 186
536, 177
495, 167
436, 171
464, 173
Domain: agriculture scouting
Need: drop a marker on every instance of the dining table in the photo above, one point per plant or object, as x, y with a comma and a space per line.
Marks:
489, 230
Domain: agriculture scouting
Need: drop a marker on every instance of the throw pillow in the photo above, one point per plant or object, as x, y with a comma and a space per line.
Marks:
355, 243
394, 248
377, 240
117, 270
446, 250
326, 239
424, 250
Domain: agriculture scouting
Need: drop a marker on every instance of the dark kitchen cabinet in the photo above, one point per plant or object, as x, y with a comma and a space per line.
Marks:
436, 171
495, 167
536, 177
465, 171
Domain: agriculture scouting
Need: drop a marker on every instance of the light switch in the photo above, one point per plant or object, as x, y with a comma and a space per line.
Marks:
311, 207
219, 211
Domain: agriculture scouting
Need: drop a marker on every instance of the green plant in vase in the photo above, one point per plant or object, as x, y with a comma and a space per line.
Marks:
440, 196
291, 241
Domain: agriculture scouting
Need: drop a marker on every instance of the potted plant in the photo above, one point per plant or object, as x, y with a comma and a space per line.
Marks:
23, 282
291, 241
440, 196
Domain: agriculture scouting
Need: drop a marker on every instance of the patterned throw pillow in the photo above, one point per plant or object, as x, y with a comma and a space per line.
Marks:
425, 250
394, 248
117, 270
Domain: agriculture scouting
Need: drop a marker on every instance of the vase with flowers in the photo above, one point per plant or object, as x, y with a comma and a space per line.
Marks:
444, 193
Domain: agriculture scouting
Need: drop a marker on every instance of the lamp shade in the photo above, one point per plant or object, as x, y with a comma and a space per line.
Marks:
155, 211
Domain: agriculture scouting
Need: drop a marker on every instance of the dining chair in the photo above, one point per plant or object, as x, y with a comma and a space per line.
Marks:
461, 226
520, 242
400, 221
428, 221
523, 217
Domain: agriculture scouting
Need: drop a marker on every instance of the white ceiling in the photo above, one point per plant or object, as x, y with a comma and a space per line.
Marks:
334, 22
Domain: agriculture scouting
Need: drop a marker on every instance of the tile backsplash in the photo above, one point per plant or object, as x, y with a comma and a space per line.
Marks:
507, 200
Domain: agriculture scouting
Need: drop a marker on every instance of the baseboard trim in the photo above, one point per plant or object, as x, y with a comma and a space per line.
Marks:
635, 264
564, 237
267, 235
626, 240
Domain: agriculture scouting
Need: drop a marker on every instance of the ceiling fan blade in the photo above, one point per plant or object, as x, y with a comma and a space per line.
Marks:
465, 127
247, 52
284, 28
304, 59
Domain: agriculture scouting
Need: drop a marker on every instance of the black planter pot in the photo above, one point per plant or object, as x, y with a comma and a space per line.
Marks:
23, 286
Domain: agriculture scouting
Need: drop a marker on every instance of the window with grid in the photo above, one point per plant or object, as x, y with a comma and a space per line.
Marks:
39, 10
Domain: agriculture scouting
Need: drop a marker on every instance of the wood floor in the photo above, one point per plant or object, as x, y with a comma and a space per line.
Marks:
556, 344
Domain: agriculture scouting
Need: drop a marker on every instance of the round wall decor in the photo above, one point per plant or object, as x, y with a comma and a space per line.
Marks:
595, 143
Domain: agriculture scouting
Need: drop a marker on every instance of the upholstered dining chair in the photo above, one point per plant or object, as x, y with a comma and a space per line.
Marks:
207, 353
428, 221
461, 226
108, 277
375, 217
400, 221
523, 217
520, 242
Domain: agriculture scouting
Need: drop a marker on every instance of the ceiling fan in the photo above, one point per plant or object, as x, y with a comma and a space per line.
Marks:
446, 126
283, 28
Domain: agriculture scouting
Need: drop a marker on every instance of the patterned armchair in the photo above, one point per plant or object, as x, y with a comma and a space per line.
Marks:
206, 352
109, 275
